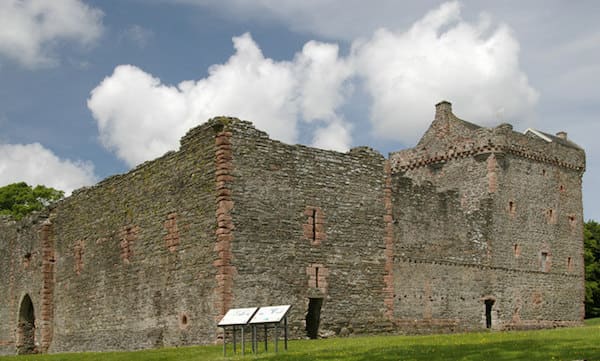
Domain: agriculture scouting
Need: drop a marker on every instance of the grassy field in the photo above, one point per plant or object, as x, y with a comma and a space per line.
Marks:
560, 344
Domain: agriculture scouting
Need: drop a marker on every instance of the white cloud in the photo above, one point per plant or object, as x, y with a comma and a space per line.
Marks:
248, 86
474, 65
140, 118
442, 57
31, 28
34, 164
322, 74
335, 136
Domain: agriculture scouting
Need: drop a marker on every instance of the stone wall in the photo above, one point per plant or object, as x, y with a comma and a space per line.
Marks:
538, 227
21, 265
135, 254
133, 259
443, 296
433, 225
309, 223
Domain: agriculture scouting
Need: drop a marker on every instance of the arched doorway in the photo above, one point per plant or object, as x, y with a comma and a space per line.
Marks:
26, 327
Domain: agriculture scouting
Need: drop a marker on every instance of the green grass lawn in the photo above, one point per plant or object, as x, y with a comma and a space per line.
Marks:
559, 344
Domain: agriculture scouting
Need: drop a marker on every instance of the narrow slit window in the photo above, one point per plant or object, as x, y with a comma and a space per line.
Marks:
317, 277
314, 225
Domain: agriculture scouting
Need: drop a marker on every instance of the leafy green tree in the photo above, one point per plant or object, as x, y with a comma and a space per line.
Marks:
20, 199
592, 269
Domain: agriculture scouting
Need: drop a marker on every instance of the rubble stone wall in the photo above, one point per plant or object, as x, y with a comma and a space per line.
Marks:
135, 255
309, 223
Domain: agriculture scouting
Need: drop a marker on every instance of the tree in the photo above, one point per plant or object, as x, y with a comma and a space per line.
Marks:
20, 199
592, 268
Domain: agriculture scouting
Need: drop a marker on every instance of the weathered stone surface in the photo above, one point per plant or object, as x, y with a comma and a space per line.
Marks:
489, 219
472, 226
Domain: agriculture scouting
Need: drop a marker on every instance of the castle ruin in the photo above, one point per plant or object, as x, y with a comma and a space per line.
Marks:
474, 228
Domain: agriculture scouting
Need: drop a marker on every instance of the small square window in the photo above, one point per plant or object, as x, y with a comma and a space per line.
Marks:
544, 263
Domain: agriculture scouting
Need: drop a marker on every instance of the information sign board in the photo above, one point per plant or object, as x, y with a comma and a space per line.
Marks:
270, 314
237, 316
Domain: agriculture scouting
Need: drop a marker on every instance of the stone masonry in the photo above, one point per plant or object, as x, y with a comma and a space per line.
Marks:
473, 228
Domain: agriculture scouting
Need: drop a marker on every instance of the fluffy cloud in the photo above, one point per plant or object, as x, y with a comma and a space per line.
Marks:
336, 136
403, 74
30, 28
140, 118
34, 164
441, 57
322, 75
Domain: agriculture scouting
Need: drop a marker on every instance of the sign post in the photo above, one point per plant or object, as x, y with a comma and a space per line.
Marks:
271, 315
233, 318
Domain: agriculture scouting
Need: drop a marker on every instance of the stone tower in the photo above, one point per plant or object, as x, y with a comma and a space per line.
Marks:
503, 223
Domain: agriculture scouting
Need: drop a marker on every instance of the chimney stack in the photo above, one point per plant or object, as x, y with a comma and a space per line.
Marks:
562, 135
443, 109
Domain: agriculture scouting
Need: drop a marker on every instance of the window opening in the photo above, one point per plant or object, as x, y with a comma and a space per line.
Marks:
544, 261
314, 225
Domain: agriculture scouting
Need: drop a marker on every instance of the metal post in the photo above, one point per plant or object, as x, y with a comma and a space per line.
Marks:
224, 341
266, 339
253, 338
276, 338
285, 323
243, 342
234, 341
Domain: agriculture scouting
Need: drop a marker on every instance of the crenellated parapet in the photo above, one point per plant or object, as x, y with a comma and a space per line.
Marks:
450, 138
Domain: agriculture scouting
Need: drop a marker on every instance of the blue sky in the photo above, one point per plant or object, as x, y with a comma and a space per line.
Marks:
92, 88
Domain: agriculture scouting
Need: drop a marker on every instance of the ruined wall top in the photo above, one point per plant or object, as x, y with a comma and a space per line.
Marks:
448, 137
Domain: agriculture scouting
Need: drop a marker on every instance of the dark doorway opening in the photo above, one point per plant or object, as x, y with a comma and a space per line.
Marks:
26, 327
313, 317
488, 313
